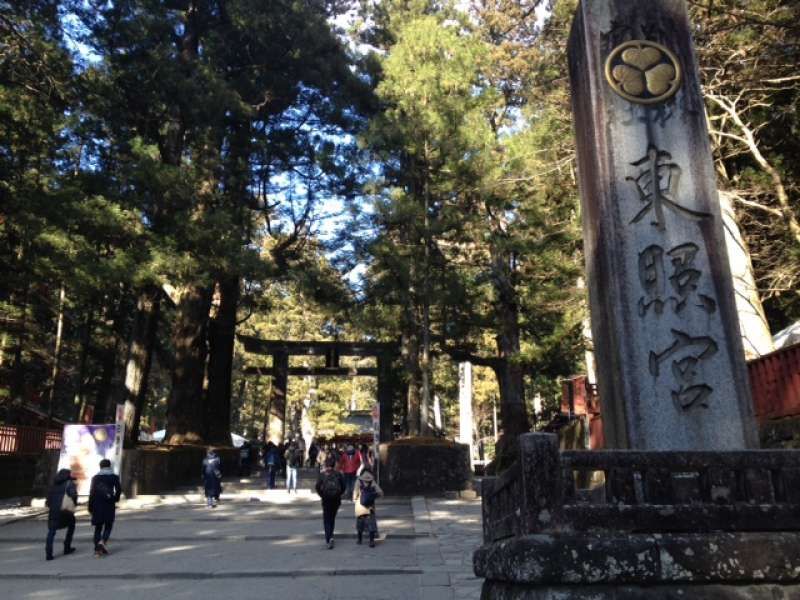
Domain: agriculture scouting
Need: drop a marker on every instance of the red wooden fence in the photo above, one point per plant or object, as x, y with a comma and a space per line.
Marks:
775, 383
28, 440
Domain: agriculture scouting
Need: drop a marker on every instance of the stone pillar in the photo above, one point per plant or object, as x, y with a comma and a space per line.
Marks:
385, 394
465, 405
277, 401
671, 370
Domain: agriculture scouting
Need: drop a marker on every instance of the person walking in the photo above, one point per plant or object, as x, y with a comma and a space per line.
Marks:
104, 494
294, 461
62, 499
367, 459
212, 478
348, 465
322, 456
313, 451
271, 463
330, 487
364, 496
244, 459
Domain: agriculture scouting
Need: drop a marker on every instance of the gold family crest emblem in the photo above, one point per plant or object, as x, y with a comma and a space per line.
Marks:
643, 72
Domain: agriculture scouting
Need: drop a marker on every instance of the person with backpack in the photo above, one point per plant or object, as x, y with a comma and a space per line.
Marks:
349, 463
294, 461
62, 499
212, 478
330, 487
366, 493
104, 494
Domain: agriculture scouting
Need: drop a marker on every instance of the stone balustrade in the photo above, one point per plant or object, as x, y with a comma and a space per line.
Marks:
641, 491
641, 524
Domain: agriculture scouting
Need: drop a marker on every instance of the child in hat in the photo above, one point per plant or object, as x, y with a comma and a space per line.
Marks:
365, 494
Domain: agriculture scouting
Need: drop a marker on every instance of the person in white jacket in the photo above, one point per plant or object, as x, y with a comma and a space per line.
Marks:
366, 492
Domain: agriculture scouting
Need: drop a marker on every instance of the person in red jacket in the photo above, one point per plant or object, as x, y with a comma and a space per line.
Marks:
348, 465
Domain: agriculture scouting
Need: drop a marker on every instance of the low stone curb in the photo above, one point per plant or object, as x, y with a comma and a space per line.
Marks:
220, 574
225, 538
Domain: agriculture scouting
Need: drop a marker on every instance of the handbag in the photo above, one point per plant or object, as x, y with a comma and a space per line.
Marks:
68, 504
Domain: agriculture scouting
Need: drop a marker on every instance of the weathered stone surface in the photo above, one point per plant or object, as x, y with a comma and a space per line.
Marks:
681, 517
780, 433
16, 474
497, 590
158, 470
642, 559
408, 469
664, 322
568, 559
27, 474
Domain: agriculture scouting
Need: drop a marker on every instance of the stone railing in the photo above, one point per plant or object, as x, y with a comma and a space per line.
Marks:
637, 491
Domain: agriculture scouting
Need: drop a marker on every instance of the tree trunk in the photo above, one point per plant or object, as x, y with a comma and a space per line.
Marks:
426, 367
62, 296
510, 375
410, 356
103, 399
222, 329
185, 414
18, 364
513, 413
86, 342
140, 360
3, 344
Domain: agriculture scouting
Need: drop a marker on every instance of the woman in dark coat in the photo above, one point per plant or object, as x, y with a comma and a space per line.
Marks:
104, 494
60, 516
212, 476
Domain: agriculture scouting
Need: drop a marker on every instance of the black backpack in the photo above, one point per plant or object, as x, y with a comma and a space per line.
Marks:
368, 495
102, 490
331, 488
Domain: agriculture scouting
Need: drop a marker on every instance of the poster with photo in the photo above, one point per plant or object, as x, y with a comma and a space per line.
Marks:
84, 446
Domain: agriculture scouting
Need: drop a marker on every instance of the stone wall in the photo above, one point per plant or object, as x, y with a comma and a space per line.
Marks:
408, 468
17, 472
27, 475
146, 470
161, 469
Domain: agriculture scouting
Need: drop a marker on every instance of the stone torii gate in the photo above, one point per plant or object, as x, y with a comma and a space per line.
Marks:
385, 354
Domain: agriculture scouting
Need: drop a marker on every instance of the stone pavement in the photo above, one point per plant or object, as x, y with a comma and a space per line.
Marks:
256, 544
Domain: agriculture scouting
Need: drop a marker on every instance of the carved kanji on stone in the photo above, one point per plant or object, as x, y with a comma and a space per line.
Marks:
687, 352
657, 184
684, 279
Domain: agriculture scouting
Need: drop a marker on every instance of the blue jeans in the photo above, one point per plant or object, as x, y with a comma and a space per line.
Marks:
51, 536
271, 472
349, 484
291, 478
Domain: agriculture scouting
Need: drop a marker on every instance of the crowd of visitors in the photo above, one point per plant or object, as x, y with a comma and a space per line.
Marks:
347, 473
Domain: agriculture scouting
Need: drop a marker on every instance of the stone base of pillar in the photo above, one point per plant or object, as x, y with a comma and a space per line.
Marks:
663, 525
702, 565
496, 590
